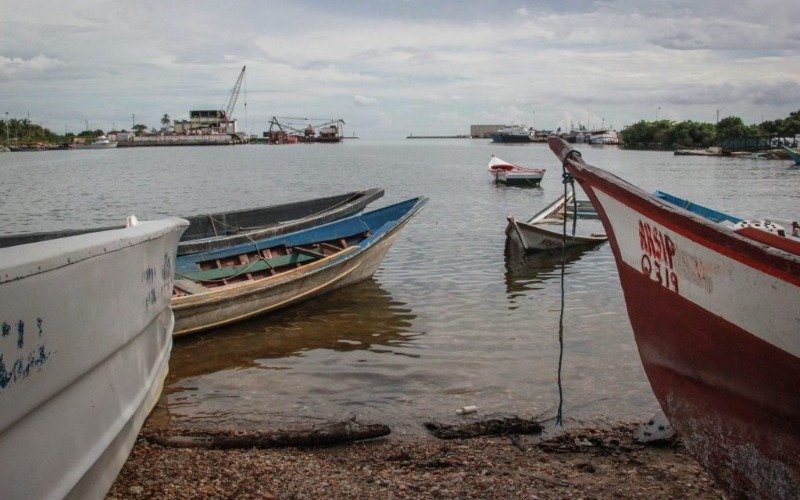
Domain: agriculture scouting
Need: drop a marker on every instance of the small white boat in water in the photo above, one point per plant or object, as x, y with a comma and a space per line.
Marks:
547, 229
84, 350
100, 142
514, 175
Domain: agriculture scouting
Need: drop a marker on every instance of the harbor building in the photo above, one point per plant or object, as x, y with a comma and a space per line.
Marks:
206, 121
484, 131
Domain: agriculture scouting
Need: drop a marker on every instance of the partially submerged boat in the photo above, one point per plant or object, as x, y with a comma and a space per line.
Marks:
84, 350
556, 226
227, 285
514, 175
715, 312
223, 229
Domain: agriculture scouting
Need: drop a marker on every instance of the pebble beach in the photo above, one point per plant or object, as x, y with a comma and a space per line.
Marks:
579, 463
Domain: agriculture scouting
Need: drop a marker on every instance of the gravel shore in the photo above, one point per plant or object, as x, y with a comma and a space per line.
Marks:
586, 463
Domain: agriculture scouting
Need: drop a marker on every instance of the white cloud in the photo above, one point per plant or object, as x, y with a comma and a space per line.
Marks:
361, 100
17, 67
401, 66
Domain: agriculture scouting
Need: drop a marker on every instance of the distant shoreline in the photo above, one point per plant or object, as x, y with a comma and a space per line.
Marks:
439, 137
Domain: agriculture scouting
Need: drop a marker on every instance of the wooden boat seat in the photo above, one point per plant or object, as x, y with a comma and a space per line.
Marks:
189, 286
309, 251
259, 265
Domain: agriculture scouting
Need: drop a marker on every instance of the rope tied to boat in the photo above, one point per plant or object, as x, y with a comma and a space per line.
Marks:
569, 183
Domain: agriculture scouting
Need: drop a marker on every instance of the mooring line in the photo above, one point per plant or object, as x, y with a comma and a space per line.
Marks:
567, 180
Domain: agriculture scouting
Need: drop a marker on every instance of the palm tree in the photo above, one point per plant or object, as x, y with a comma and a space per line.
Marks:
165, 120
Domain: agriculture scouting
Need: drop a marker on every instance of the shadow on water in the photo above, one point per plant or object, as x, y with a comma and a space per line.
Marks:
364, 316
228, 376
526, 272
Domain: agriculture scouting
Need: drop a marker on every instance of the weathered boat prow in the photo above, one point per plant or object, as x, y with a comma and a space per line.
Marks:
86, 337
716, 313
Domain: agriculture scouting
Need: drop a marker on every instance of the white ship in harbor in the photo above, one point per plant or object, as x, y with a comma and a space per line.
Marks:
604, 137
100, 142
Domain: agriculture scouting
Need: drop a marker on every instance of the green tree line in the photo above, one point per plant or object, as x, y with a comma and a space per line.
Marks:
665, 134
19, 131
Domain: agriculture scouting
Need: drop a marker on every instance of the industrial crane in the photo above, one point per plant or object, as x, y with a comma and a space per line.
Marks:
330, 131
228, 116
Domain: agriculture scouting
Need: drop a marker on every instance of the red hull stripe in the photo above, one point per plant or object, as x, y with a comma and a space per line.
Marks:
771, 239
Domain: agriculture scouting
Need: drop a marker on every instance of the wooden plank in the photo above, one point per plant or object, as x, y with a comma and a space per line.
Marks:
189, 286
309, 251
261, 265
331, 247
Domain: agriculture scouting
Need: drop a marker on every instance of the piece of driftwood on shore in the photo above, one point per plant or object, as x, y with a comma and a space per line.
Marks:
319, 435
491, 427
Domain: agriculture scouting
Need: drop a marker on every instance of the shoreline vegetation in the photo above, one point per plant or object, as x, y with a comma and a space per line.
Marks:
663, 135
590, 462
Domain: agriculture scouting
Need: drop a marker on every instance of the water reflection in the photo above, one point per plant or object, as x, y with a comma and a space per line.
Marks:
275, 369
529, 272
363, 316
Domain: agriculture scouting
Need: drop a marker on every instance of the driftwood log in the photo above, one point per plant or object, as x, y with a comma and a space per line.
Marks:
490, 427
319, 435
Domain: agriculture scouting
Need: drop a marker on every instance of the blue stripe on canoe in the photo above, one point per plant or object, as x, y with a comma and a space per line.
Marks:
700, 210
375, 221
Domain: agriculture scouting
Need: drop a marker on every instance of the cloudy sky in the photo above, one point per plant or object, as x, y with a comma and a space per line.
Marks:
389, 68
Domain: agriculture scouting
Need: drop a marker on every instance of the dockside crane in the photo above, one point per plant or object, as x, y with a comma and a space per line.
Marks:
330, 131
234, 95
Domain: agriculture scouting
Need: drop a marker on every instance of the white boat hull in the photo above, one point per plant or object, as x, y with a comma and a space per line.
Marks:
546, 230
514, 175
107, 145
85, 346
543, 237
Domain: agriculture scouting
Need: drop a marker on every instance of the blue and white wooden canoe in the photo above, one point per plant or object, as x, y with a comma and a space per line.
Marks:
224, 286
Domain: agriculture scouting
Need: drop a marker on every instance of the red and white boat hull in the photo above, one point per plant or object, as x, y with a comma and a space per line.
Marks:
507, 173
717, 323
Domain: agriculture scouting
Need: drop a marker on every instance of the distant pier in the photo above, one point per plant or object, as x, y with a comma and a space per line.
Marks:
412, 136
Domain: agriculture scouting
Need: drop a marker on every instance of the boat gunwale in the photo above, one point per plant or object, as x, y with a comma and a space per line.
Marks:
719, 238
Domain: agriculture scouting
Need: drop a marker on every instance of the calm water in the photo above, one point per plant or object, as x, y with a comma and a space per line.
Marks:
449, 320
